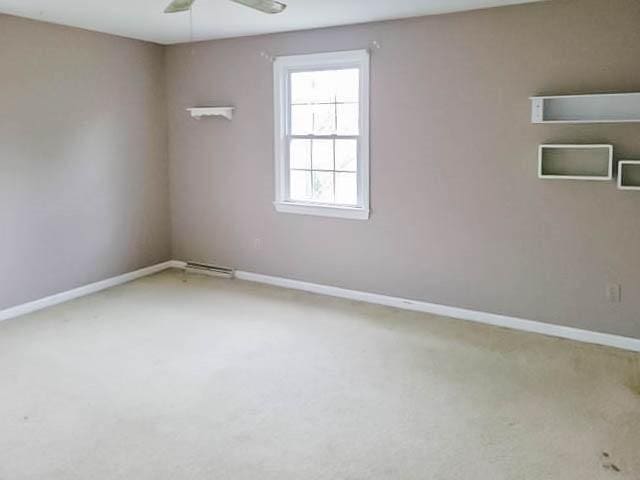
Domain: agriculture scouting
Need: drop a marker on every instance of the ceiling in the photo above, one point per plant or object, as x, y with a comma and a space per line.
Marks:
144, 20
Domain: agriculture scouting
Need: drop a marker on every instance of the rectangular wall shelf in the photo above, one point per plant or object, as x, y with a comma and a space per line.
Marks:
629, 175
596, 108
575, 162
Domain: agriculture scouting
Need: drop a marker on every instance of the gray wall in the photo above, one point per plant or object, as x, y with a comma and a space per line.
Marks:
83, 158
459, 217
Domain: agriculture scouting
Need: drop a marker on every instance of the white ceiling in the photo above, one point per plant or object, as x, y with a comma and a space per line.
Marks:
143, 19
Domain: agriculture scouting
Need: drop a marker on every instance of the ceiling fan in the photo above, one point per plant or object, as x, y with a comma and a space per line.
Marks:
266, 6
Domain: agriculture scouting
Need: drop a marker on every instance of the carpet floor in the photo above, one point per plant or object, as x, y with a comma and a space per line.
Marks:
165, 379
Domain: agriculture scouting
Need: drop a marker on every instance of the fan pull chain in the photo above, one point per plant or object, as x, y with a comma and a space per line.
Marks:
191, 24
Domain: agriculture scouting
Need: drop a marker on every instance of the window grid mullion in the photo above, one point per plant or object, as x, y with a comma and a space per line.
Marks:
323, 137
322, 103
321, 170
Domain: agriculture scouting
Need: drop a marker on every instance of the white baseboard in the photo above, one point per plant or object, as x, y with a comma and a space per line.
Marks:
85, 290
586, 336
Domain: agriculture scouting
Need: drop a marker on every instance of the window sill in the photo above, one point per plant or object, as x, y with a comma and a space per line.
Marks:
355, 213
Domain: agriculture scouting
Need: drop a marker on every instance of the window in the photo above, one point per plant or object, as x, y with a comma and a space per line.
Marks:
322, 134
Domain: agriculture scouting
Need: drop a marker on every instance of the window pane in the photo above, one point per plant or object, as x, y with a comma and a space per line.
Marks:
300, 154
324, 86
324, 119
301, 119
346, 189
348, 119
323, 154
348, 85
347, 155
300, 185
323, 187
314, 87
302, 87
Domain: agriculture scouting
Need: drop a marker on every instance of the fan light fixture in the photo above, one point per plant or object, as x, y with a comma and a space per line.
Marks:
265, 6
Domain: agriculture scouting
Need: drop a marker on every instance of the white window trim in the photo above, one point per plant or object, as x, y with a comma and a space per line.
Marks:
283, 66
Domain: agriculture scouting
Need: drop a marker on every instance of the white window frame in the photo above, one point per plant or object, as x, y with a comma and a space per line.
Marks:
283, 67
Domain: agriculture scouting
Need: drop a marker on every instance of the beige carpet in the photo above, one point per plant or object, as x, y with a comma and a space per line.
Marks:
216, 379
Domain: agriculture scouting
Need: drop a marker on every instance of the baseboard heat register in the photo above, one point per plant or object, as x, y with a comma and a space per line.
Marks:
206, 269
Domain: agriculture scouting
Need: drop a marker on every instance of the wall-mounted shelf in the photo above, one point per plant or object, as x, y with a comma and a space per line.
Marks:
596, 108
199, 112
575, 162
629, 175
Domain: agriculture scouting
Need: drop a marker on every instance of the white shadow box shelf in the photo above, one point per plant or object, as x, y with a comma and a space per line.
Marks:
200, 112
596, 108
629, 175
575, 162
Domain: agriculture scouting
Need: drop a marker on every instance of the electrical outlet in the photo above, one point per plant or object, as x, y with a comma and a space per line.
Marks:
614, 293
257, 244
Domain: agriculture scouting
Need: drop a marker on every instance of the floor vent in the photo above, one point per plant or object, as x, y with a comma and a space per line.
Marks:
211, 270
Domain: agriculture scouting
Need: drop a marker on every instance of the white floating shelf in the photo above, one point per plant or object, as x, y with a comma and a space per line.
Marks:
596, 108
575, 162
199, 112
629, 175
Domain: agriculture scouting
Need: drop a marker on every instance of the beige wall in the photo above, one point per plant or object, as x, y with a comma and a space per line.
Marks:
83, 158
459, 217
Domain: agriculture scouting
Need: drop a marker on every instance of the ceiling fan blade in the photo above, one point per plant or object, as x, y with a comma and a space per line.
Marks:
266, 6
179, 6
